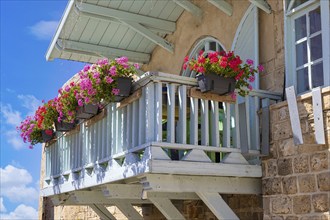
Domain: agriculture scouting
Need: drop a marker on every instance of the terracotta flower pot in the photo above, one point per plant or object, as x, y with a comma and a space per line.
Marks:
211, 82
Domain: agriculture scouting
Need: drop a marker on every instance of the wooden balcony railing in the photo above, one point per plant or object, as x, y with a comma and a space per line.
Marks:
165, 111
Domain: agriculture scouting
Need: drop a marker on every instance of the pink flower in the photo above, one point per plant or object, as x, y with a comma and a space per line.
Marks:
59, 119
67, 88
87, 100
80, 102
136, 65
233, 95
250, 87
251, 79
108, 79
261, 68
115, 91
86, 68
96, 75
249, 62
113, 70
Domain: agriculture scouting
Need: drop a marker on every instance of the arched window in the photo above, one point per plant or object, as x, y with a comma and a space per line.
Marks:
207, 44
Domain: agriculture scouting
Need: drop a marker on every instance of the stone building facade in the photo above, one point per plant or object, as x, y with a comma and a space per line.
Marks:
296, 179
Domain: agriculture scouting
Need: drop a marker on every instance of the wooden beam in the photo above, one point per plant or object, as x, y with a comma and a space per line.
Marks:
190, 7
122, 191
263, 5
128, 210
102, 212
217, 205
195, 93
184, 183
223, 6
97, 50
166, 207
150, 35
96, 118
318, 115
294, 115
135, 96
96, 10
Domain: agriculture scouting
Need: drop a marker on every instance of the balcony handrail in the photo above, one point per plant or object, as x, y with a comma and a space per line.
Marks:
176, 122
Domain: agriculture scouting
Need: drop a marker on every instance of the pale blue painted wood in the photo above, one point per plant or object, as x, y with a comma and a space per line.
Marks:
149, 114
171, 113
294, 115
214, 120
143, 115
182, 125
318, 115
205, 122
159, 111
193, 121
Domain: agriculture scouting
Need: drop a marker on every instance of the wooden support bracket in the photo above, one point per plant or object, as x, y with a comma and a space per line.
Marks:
135, 96
102, 212
195, 93
217, 205
96, 118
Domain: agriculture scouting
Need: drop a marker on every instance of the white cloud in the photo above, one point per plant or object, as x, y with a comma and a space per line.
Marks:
14, 185
21, 212
11, 116
14, 139
44, 30
2, 206
30, 102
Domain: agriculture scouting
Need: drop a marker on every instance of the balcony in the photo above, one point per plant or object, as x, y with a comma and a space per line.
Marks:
167, 137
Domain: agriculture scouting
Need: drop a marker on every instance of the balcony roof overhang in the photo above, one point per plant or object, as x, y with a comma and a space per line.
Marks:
90, 30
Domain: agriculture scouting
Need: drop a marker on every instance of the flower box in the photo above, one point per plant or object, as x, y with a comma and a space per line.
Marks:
47, 135
64, 126
124, 85
215, 83
87, 111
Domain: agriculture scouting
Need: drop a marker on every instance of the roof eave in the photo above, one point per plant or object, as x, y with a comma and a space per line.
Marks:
64, 18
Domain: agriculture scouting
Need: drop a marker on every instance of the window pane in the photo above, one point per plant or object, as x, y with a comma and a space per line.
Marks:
317, 75
213, 46
316, 47
302, 80
301, 54
315, 20
300, 27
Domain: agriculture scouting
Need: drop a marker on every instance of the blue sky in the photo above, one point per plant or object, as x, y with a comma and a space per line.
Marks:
27, 78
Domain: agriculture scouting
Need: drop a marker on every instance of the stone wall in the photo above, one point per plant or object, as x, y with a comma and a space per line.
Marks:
246, 207
296, 179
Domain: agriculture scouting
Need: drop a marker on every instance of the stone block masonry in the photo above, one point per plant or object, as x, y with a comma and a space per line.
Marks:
296, 179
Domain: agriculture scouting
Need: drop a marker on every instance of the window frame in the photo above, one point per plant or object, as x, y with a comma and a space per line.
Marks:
204, 42
290, 42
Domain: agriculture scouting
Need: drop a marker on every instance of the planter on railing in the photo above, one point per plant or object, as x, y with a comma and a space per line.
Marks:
47, 135
124, 84
64, 126
87, 111
215, 83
